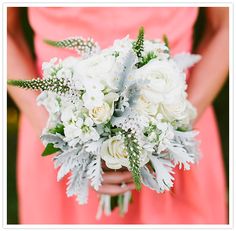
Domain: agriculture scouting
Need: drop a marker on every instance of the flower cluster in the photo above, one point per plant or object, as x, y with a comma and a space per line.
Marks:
125, 105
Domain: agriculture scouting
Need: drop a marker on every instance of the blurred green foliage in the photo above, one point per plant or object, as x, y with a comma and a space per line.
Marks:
221, 106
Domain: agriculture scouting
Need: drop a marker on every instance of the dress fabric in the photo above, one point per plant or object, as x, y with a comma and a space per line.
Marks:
198, 195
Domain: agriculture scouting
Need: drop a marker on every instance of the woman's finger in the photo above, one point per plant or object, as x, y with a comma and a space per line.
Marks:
117, 177
114, 190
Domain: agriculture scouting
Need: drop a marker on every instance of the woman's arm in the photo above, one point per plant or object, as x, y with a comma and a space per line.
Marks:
209, 75
20, 65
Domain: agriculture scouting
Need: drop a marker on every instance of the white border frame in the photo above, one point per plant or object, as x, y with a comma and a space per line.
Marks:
3, 115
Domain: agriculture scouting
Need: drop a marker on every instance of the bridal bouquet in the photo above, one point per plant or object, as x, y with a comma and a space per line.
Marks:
125, 106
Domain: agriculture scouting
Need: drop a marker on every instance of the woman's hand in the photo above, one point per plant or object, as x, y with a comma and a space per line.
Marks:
116, 182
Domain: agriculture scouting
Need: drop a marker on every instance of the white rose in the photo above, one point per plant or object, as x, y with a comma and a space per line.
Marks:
114, 154
165, 90
99, 67
157, 47
181, 110
164, 78
101, 114
106, 66
104, 112
144, 106
174, 110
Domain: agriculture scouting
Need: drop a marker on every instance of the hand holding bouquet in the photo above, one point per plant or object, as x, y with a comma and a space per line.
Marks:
125, 105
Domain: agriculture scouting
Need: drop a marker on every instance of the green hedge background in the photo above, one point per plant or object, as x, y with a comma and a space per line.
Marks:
221, 106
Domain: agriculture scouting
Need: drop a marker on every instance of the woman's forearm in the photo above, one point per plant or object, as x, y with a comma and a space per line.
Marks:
209, 75
20, 65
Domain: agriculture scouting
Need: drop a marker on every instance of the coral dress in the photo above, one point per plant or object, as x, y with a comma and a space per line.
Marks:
198, 196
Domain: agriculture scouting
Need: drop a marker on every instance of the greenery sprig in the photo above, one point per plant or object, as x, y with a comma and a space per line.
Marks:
134, 152
56, 85
145, 59
138, 45
80, 44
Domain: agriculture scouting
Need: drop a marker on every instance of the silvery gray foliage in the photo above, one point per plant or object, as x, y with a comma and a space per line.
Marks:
133, 93
133, 89
186, 60
121, 106
188, 139
129, 96
78, 181
67, 161
128, 65
56, 139
148, 179
118, 121
163, 170
179, 155
95, 172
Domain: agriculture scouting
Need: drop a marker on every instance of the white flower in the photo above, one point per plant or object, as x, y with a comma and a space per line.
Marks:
179, 110
165, 90
91, 84
122, 46
115, 155
70, 113
157, 47
99, 67
104, 112
93, 99
144, 106
48, 67
70, 62
81, 131
106, 66
50, 101
64, 73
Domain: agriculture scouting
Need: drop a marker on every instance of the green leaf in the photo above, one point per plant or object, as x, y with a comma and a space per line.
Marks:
50, 150
58, 129
182, 129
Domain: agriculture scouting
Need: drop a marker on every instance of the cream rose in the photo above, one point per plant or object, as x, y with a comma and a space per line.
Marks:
101, 114
106, 66
181, 110
104, 112
114, 154
144, 106
165, 90
164, 78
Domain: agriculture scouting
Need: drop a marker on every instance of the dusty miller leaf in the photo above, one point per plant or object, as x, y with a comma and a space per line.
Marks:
78, 181
95, 172
148, 179
186, 60
163, 169
67, 161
